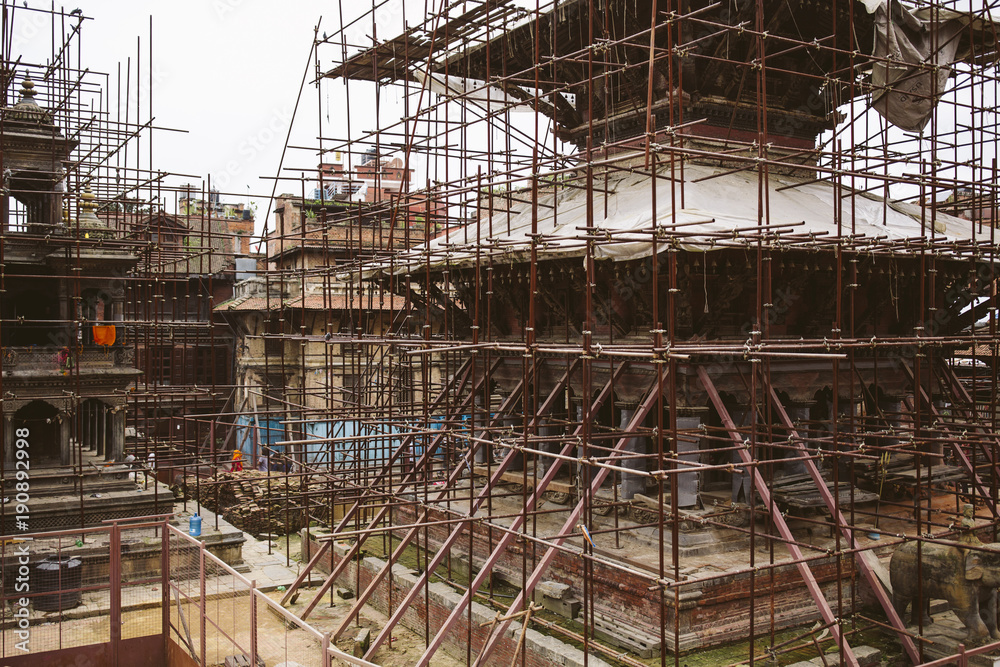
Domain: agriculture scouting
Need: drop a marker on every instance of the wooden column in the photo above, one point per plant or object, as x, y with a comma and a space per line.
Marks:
8, 439
65, 451
117, 436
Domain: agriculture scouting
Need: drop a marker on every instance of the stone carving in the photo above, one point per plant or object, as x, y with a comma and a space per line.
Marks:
124, 356
966, 577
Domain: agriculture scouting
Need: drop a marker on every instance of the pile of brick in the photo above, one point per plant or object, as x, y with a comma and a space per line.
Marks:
253, 501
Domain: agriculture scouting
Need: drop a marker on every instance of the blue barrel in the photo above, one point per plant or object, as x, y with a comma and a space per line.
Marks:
194, 528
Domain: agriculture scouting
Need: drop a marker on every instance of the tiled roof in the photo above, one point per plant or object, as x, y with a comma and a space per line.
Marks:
983, 350
249, 303
314, 302
375, 302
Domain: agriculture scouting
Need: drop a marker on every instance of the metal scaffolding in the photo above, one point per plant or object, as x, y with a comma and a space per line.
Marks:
583, 286
109, 270
650, 326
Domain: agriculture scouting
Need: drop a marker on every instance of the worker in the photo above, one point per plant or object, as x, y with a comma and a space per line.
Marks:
236, 465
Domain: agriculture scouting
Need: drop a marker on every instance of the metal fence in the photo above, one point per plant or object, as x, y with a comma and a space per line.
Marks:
215, 613
106, 594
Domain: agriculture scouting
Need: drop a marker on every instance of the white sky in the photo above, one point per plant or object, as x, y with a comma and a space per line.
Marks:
226, 71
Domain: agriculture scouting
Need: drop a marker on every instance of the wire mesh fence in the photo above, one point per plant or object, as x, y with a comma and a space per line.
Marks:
32, 616
219, 615
102, 593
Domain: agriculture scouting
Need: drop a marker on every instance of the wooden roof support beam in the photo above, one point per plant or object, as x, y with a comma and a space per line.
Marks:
831, 621
568, 528
861, 558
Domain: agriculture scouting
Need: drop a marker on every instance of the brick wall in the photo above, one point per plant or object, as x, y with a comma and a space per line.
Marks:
431, 612
712, 612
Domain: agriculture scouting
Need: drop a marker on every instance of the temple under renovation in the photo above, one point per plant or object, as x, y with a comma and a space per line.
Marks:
620, 333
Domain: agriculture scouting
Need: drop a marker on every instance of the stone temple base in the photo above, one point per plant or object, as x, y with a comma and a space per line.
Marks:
946, 633
62, 497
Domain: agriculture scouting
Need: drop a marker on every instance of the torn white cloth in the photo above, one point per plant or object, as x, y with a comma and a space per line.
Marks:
487, 97
915, 58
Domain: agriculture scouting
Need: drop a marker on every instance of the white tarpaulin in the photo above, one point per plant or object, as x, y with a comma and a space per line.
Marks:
717, 210
489, 98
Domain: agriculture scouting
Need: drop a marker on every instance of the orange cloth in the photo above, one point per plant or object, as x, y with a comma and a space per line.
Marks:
104, 335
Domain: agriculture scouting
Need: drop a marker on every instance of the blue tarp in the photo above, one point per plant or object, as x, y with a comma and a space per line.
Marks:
379, 441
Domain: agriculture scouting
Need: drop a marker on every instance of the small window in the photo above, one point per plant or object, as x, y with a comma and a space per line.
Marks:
273, 347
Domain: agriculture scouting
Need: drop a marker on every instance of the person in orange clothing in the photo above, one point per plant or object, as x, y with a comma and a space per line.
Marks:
236, 465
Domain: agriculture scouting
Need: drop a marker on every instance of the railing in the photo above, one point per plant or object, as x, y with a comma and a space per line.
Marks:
21, 226
55, 358
215, 612
145, 580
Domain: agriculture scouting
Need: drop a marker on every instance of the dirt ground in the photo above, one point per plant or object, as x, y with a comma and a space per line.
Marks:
277, 641
406, 647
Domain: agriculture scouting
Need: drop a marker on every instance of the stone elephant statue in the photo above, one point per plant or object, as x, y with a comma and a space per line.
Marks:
966, 578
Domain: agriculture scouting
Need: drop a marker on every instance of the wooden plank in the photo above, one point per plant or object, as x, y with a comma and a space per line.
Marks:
937, 474
517, 477
814, 499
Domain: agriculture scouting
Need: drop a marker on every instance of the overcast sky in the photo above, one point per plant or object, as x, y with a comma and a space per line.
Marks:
228, 73
225, 71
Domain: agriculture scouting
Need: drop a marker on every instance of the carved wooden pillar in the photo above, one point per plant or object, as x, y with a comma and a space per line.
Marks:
741, 476
688, 450
517, 463
631, 483
117, 434
892, 408
65, 450
8, 439
482, 455
100, 430
86, 440
547, 430
794, 465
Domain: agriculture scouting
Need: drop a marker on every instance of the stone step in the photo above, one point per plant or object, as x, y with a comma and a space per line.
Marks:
866, 655
624, 635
